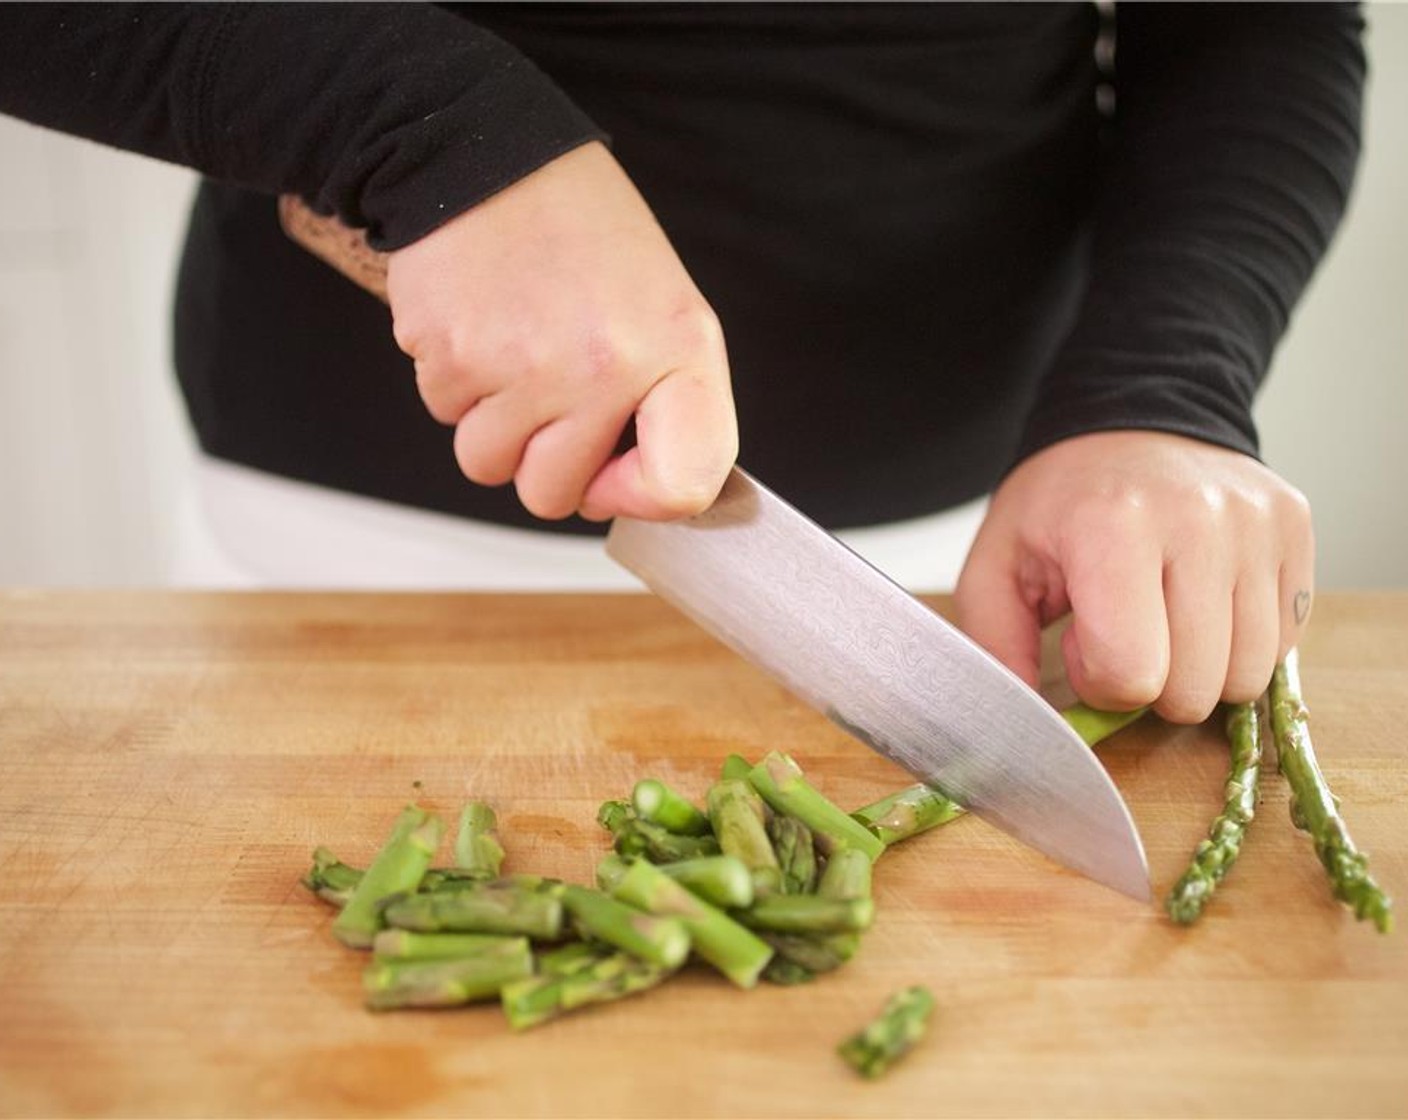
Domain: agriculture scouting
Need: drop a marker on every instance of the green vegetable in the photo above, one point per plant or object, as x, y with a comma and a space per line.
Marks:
398, 867
886, 1039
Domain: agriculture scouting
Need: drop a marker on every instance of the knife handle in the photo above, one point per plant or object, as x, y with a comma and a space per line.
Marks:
335, 244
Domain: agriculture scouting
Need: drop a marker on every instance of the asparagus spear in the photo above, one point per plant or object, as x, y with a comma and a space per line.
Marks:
795, 847
1215, 855
1095, 726
572, 957
847, 876
389, 984
535, 1000
738, 817
661, 941
735, 766
330, 879
407, 945
477, 848
511, 910
657, 803
808, 913
882, 1042
1314, 809
781, 783
785, 970
733, 950
918, 808
397, 867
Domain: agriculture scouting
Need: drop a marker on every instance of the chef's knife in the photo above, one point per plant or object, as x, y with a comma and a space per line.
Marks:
795, 601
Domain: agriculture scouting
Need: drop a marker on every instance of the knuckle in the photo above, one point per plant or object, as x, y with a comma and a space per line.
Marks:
542, 502
697, 330
1245, 685
481, 464
1179, 705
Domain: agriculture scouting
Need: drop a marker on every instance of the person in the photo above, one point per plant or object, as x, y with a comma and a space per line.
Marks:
898, 256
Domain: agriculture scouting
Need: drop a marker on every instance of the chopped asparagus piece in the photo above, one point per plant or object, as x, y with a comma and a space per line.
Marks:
634, 837
1094, 726
795, 847
446, 983
722, 881
781, 783
405, 944
733, 950
657, 803
330, 879
882, 1042
1314, 809
399, 866
527, 1003
477, 848
809, 913
735, 766
907, 813
508, 910
1215, 855
660, 940
738, 817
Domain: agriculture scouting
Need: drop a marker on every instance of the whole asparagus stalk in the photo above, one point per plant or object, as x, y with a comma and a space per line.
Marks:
398, 867
477, 847
781, 783
795, 847
886, 1039
733, 950
1314, 809
408, 945
535, 1000
508, 910
657, 803
738, 817
330, 879
389, 984
1215, 855
662, 941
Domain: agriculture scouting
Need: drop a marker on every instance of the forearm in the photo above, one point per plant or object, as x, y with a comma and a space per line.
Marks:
1233, 149
394, 116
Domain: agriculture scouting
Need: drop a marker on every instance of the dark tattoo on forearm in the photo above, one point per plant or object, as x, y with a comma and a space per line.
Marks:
1301, 606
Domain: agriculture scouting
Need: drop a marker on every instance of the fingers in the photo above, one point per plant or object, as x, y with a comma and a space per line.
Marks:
1199, 596
996, 608
1117, 648
686, 441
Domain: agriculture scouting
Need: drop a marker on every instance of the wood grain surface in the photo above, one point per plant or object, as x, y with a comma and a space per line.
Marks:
168, 761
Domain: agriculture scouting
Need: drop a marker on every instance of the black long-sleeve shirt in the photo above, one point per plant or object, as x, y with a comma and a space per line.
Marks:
931, 251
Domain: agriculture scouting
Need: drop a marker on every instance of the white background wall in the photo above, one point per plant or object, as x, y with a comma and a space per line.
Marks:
94, 446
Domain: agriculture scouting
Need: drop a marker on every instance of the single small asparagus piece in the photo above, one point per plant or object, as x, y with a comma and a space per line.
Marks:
477, 848
527, 1003
407, 945
847, 875
907, 813
785, 970
1314, 809
735, 951
508, 910
657, 803
330, 879
735, 766
572, 957
808, 913
1093, 726
883, 1041
918, 808
634, 837
796, 853
399, 866
722, 881
389, 984
662, 941
781, 783
738, 817
1215, 855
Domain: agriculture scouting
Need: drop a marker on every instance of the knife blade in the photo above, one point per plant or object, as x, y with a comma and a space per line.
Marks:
789, 597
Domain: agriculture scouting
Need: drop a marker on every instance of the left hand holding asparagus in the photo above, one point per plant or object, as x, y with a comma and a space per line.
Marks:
1187, 569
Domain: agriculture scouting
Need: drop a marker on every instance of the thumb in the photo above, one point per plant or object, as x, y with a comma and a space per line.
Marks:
994, 608
686, 442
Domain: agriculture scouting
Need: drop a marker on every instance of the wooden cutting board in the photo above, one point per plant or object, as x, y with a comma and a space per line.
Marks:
168, 761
